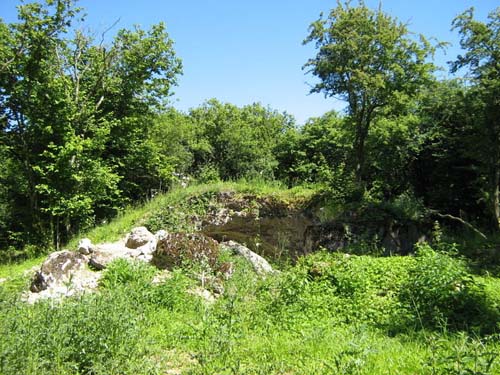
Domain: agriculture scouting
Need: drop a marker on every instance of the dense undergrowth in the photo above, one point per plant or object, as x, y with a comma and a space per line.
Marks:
328, 313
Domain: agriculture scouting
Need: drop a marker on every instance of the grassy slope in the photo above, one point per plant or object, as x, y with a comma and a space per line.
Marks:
140, 214
131, 217
328, 314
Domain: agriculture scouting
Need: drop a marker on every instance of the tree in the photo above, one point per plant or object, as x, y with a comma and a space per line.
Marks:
74, 116
237, 142
369, 60
447, 112
316, 152
481, 42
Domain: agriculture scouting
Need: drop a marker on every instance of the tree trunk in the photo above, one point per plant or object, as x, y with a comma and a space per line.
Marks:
359, 152
494, 198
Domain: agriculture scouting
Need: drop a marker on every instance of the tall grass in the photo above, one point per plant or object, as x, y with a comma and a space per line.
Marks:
328, 314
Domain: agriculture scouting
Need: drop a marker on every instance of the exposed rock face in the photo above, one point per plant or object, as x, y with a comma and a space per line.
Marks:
273, 228
139, 237
82, 280
260, 265
85, 246
392, 237
59, 269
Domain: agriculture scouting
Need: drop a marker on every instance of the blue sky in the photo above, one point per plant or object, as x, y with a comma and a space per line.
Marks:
251, 51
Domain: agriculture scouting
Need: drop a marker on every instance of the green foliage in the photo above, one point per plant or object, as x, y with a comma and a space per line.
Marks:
449, 153
369, 60
464, 355
236, 142
442, 292
123, 272
329, 313
73, 120
480, 41
316, 151
92, 335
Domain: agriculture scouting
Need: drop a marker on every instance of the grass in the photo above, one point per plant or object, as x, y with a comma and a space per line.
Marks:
13, 270
172, 204
329, 313
300, 321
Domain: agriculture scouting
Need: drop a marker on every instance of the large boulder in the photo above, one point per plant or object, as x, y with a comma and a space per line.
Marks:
100, 259
105, 253
259, 264
139, 237
58, 268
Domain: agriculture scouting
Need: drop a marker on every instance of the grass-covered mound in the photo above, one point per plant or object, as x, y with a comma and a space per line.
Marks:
326, 313
176, 210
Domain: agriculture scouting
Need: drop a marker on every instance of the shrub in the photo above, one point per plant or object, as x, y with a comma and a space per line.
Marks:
97, 334
183, 249
441, 291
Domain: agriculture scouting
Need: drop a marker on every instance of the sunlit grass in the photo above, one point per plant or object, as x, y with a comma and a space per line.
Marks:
131, 217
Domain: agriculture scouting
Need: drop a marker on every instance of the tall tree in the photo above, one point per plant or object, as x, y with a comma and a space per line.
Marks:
74, 114
481, 42
369, 60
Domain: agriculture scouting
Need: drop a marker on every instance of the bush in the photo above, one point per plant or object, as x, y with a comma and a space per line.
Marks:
348, 289
182, 249
441, 292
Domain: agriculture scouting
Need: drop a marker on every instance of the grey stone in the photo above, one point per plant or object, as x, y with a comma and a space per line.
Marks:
260, 265
138, 237
58, 269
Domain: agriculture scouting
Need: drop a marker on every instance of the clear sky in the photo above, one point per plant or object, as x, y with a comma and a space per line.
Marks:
251, 51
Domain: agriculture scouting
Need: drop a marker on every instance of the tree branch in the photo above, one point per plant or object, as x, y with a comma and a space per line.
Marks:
461, 221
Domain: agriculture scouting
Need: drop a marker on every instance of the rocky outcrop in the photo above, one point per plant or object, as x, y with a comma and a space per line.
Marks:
65, 273
106, 253
259, 264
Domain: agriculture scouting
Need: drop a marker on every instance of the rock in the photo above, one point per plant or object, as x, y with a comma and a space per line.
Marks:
107, 252
85, 246
138, 237
99, 260
162, 277
260, 265
58, 268
82, 280
148, 248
